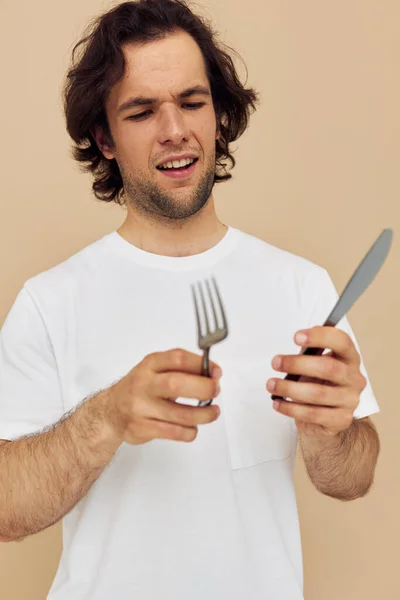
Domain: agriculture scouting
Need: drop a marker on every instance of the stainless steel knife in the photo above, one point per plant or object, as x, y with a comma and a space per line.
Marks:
361, 279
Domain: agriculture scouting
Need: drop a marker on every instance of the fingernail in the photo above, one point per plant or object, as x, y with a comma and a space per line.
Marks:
277, 362
301, 337
216, 372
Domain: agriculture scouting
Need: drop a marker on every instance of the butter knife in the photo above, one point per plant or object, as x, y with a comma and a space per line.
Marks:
361, 279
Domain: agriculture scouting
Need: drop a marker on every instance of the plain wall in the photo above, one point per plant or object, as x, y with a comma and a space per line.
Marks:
317, 174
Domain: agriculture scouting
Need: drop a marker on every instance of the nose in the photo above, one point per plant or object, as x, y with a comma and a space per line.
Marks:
173, 127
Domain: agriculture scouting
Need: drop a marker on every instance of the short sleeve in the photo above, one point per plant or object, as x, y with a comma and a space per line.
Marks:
30, 394
327, 297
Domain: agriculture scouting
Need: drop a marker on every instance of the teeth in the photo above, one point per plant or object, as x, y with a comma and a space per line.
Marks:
175, 164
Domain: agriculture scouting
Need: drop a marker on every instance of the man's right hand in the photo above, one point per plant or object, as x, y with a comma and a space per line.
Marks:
141, 406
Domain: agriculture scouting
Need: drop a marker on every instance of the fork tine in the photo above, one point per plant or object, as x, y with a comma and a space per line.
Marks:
224, 322
196, 306
212, 304
204, 308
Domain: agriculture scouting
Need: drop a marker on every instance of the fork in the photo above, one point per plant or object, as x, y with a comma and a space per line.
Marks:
208, 338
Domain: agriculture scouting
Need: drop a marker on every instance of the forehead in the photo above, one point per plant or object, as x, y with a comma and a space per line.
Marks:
160, 68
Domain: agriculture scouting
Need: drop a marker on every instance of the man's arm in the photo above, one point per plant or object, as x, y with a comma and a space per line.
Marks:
340, 452
343, 466
43, 476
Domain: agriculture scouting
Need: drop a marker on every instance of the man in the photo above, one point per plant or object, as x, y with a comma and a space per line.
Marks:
99, 368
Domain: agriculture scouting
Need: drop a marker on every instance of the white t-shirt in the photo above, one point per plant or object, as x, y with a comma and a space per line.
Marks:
213, 519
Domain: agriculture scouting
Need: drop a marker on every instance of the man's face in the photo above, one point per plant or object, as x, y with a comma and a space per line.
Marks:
146, 134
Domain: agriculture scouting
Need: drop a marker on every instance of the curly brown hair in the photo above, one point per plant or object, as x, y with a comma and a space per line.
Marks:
90, 79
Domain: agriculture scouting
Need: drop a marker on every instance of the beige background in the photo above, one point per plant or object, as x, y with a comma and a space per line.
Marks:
317, 174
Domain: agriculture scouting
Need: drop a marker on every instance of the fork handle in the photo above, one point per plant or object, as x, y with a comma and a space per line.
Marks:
205, 370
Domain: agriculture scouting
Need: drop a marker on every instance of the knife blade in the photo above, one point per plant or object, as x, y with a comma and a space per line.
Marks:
358, 283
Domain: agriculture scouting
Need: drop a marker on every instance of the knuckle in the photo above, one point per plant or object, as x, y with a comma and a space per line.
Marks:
178, 358
362, 381
320, 393
173, 384
149, 358
333, 368
347, 342
346, 419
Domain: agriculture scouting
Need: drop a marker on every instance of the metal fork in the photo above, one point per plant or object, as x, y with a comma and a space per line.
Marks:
209, 338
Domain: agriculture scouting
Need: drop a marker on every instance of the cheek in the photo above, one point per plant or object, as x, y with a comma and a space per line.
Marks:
207, 140
131, 153
207, 130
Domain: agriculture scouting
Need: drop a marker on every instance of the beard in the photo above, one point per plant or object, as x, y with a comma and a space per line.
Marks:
173, 205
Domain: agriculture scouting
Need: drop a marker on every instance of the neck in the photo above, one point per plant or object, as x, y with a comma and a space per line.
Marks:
181, 238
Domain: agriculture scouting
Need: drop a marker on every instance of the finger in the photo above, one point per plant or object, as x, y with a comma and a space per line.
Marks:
323, 367
331, 418
172, 384
307, 393
334, 339
317, 415
178, 359
162, 430
183, 415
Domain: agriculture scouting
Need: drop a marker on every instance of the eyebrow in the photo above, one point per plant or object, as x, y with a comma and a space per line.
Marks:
141, 101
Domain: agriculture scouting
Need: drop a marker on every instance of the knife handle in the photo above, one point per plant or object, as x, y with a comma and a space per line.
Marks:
311, 352
290, 377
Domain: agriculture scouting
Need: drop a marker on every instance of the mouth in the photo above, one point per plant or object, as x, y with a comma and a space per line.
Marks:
179, 172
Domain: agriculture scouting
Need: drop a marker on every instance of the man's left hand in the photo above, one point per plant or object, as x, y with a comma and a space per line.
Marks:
328, 391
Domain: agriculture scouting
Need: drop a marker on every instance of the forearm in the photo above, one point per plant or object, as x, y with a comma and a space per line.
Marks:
343, 466
43, 476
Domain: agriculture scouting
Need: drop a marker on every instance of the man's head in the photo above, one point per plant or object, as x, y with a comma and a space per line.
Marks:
162, 111
158, 51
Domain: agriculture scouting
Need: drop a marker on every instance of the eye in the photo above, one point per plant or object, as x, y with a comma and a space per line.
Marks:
194, 105
189, 106
138, 116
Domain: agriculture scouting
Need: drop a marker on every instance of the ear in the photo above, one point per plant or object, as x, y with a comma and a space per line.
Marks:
103, 142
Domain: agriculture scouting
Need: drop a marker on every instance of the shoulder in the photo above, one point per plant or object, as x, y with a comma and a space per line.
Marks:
54, 285
278, 258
